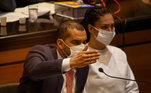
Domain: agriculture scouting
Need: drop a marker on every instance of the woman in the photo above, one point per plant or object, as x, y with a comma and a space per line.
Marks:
99, 24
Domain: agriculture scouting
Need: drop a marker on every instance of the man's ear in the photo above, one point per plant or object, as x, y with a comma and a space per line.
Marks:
90, 28
60, 43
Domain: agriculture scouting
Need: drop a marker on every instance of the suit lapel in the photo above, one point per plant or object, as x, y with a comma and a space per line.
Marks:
60, 77
60, 83
81, 77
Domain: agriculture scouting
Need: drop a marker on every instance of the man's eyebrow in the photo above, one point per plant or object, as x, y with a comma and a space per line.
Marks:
79, 40
107, 24
76, 41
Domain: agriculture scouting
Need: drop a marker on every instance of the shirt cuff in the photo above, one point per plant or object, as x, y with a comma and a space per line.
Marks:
66, 65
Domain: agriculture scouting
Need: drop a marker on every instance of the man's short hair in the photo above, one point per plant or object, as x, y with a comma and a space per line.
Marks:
68, 24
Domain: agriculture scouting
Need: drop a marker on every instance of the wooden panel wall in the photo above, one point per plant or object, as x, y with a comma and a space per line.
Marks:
139, 58
11, 65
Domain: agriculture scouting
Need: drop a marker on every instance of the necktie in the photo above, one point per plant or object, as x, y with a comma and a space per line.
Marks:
69, 77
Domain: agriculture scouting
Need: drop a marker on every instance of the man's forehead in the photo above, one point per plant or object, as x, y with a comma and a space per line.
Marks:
76, 34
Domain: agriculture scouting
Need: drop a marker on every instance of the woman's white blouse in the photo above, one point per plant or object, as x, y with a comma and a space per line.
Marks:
114, 62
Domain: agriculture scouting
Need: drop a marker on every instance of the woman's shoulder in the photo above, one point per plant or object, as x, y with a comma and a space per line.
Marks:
115, 50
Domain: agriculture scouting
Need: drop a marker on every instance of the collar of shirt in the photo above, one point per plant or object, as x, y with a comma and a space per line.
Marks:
66, 68
59, 56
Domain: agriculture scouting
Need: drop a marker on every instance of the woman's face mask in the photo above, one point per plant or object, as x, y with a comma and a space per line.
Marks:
104, 36
74, 50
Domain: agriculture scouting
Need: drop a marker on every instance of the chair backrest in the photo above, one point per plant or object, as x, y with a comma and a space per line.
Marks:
9, 88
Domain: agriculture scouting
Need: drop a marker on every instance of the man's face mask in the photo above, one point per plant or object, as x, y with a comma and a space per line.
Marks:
104, 36
74, 50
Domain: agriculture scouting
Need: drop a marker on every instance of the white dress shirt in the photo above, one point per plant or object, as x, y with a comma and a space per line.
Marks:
65, 68
114, 62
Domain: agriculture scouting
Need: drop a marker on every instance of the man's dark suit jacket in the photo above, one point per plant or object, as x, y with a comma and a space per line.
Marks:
42, 72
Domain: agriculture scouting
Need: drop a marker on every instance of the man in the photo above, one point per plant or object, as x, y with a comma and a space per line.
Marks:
46, 66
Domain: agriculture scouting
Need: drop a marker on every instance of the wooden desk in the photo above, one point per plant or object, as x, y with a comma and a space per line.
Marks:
35, 33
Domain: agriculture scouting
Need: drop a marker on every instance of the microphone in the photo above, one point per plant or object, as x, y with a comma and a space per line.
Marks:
101, 70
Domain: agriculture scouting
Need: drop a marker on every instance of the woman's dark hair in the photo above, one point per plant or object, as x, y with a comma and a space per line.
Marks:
92, 15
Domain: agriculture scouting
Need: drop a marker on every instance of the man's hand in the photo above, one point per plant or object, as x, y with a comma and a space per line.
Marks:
84, 58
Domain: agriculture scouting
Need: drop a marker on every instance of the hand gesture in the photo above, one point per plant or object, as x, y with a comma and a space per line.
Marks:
84, 58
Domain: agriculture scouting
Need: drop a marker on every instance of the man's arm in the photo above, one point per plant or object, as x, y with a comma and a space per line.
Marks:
41, 64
